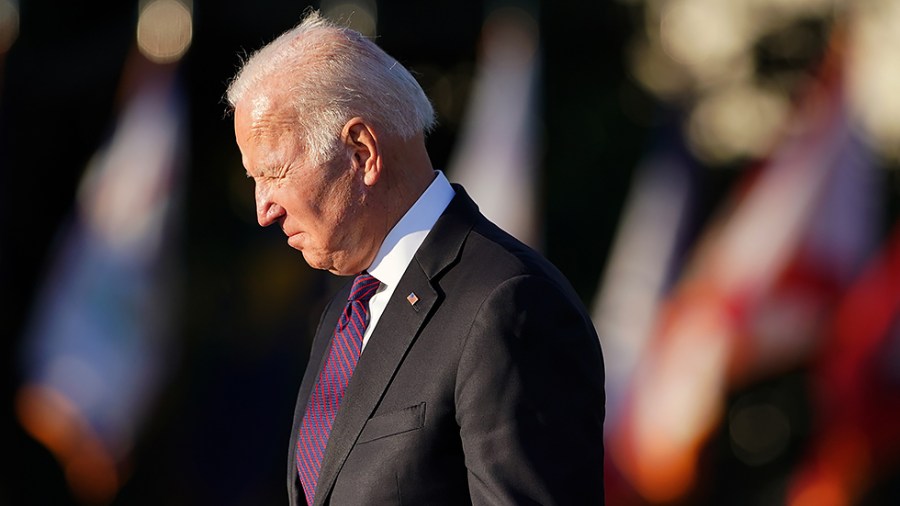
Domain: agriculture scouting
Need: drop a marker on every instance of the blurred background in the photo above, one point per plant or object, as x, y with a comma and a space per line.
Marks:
718, 179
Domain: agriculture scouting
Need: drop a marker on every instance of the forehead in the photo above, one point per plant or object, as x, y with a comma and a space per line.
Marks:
262, 115
264, 128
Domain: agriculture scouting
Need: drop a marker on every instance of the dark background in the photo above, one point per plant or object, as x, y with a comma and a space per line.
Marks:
217, 433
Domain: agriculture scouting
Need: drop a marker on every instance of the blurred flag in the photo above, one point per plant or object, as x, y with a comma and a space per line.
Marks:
98, 344
641, 266
497, 157
782, 327
646, 254
712, 332
856, 387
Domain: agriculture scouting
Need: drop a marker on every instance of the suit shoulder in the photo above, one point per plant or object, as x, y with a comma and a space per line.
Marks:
495, 257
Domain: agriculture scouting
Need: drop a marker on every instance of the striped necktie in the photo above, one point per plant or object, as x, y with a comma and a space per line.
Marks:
332, 381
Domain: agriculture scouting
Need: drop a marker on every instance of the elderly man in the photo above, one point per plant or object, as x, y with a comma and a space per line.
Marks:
458, 366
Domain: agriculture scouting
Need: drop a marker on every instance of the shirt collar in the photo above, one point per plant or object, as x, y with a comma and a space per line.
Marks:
402, 242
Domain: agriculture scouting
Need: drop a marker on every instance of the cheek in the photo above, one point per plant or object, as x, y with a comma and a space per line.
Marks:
327, 209
343, 212
298, 203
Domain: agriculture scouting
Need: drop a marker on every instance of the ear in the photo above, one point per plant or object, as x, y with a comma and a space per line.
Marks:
362, 142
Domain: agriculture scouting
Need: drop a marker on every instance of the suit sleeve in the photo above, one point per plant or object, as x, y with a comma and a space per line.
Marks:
530, 398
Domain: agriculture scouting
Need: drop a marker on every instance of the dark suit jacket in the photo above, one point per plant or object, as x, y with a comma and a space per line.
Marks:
488, 391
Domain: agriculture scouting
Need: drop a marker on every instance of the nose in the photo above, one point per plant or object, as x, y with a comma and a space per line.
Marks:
267, 211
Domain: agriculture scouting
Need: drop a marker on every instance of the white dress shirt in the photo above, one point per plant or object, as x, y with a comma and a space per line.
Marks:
401, 244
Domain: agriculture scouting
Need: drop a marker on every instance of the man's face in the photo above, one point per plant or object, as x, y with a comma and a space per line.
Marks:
319, 208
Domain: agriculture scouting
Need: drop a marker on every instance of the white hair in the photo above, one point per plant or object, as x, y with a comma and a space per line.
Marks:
332, 74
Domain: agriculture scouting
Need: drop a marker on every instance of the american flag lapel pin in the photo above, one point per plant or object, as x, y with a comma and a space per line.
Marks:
412, 298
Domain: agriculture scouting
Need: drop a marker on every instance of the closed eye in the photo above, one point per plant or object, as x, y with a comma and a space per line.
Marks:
269, 173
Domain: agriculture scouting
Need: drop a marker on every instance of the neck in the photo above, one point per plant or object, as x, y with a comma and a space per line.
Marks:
407, 174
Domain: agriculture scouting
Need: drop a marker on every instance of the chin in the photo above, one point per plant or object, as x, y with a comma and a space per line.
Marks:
322, 263
316, 262
335, 263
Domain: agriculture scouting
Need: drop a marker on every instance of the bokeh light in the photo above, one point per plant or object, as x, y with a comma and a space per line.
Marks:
747, 60
656, 71
759, 432
736, 122
164, 30
704, 33
874, 78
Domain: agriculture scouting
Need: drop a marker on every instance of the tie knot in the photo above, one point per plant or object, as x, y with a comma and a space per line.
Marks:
364, 287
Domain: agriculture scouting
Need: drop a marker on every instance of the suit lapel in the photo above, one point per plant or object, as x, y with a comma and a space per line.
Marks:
397, 329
